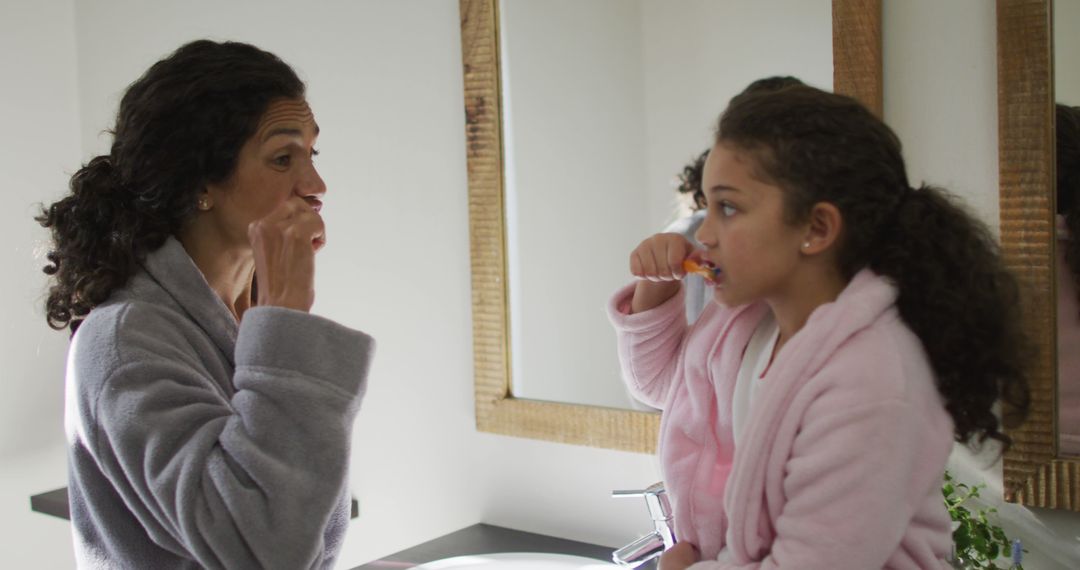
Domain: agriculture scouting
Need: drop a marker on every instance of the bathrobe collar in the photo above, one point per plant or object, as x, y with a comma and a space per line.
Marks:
173, 270
867, 298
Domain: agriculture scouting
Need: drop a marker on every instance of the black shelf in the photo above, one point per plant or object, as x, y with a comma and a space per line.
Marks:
55, 503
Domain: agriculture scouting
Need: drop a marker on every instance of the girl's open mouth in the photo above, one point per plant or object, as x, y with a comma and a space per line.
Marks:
706, 269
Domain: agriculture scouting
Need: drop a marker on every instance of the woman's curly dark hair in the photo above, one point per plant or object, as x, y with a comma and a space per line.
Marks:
180, 127
954, 290
1068, 183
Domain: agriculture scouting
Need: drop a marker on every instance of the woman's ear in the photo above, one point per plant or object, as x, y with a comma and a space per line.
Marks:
203, 202
823, 228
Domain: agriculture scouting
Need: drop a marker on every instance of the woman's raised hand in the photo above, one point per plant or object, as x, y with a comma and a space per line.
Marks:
658, 264
284, 244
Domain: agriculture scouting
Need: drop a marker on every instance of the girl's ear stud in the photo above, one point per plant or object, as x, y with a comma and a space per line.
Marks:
805, 244
203, 203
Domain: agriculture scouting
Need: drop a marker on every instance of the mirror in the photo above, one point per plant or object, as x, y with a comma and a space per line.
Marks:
1035, 473
518, 59
1066, 76
603, 103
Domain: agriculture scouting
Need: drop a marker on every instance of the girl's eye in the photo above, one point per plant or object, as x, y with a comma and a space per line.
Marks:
727, 210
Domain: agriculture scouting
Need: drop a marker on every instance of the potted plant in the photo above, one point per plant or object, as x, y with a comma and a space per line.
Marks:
978, 543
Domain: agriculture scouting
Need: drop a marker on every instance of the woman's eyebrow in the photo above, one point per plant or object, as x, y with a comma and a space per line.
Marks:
288, 131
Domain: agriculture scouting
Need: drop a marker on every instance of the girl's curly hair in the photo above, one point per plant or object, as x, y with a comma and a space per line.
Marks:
954, 290
690, 179
180, 127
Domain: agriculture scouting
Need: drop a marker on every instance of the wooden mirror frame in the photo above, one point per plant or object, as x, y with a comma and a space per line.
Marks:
856, 72
1033, 473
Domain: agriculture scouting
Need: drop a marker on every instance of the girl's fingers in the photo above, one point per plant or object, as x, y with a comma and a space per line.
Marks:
676, 253
635, 265
648, 263
660, 258
670, 250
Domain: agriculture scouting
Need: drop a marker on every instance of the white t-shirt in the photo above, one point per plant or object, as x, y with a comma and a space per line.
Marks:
755, 362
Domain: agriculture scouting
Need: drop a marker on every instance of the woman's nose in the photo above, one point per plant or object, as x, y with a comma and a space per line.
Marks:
311, 184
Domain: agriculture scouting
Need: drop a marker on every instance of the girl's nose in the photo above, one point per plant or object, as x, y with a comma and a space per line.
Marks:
704, 234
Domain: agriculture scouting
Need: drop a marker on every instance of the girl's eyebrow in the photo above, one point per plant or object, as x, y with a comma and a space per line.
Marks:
723, 188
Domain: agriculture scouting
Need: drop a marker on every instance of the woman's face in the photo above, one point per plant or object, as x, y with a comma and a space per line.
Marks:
273, 165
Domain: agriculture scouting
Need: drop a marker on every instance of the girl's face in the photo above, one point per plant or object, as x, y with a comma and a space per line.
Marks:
273, 165
744, 233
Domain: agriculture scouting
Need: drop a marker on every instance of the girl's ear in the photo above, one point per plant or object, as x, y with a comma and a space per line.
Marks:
822, 229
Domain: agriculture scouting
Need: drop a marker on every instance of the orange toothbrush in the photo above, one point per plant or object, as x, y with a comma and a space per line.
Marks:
706, 271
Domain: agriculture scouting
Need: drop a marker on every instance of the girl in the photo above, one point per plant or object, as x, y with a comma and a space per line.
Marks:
208, 425
860, 325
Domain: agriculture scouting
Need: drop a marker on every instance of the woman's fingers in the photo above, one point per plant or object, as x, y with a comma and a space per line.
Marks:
284, 244
294, 218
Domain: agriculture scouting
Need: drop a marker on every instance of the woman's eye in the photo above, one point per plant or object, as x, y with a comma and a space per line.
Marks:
314, 153
727, 210
283, 160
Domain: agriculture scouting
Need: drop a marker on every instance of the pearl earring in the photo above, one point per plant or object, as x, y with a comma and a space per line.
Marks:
204, 203
805, 244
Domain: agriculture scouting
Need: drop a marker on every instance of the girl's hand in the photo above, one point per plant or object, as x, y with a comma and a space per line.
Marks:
657, 262
680, 556
284, 245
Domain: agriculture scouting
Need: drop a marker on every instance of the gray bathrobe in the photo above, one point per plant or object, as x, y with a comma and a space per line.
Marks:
197, 442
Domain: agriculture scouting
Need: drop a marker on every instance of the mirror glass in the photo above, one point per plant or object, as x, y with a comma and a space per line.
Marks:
604, 103
1067, 95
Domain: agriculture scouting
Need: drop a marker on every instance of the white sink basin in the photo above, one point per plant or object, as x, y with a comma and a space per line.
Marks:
517, 561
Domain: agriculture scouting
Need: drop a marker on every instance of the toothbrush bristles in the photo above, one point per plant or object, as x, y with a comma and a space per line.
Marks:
705, 271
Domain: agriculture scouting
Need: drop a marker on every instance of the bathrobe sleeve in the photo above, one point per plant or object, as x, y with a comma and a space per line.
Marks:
649, 344
854, 480
247, 481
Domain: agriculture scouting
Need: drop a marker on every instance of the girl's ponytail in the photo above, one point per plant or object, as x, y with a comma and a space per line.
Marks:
957, 296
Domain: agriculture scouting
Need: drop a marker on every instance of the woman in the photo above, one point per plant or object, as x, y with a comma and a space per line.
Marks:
209, 420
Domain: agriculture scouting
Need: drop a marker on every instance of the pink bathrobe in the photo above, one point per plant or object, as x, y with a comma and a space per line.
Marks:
841, 460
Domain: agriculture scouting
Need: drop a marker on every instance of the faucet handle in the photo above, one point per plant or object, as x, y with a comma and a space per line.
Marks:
654, 489
663, 538
656, 499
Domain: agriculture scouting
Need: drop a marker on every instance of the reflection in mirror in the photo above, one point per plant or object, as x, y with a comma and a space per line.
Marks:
604, 103
1067, 95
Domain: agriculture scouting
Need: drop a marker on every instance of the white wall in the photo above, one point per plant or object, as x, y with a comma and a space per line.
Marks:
39, 114
385, 83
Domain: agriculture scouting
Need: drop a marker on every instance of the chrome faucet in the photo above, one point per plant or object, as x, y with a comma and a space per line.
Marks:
655, 543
